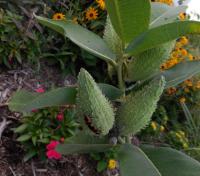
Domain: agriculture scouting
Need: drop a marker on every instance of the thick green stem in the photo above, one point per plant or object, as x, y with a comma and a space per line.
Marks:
120, 76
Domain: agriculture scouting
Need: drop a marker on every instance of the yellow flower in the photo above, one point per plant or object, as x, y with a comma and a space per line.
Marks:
182, 16
184, 52
186, 90
112, 164
178, 135
184, 40
91, 14
154, 125
185, 145
191, 57
198, 85
182, 133
101, 4
75, 20
162, 128
58, 16
171, 91
182, 100
188, 83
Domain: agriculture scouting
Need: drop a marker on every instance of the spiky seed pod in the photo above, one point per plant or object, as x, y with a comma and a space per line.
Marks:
96, 111
147, 63
112, 39
136, 112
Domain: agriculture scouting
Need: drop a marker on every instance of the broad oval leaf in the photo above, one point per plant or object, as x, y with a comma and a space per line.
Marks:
171, 162
163, 14
133, 161
81, 36
129, 18
67, 149
110, 91
24, 101
180, 73
83, 138
162, 34
158, 9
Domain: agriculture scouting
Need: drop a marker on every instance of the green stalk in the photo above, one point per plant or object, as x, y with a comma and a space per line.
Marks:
120, 75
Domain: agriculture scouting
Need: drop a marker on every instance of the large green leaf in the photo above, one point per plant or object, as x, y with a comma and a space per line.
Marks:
83, 138
180, 72
24, 101
163, 14
133, 161
158, 9
129, 18
162, 34
110, 91
171, 162
81, 36
67, 149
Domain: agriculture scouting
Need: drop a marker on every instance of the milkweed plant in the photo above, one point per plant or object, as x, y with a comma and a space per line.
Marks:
138, 38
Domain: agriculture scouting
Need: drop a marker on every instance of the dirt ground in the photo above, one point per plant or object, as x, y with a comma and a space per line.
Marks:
11, 152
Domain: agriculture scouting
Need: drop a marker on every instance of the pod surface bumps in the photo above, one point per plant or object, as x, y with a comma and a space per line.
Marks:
136, 112
147, 63
95, 110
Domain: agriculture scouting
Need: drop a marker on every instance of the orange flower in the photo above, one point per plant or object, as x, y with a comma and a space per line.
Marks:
58, 16
91, 14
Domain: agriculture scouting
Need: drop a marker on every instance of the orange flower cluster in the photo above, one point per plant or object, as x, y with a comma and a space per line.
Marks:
168, 2
178, 55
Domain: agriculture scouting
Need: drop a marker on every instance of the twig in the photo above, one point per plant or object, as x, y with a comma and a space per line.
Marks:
33, 169
2, 105
3, 125
12, 171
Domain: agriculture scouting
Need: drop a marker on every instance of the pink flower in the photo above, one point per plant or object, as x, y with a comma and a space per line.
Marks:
52, 154
34, 110
52, 145
60, 117
40, 90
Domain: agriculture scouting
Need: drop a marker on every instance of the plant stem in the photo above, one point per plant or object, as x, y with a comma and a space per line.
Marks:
120, 76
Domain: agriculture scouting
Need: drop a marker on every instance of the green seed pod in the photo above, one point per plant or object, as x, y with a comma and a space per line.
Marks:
147, 63
136, 112
96, 112
112, 39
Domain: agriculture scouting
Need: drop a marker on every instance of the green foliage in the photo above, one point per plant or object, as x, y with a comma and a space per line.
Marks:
180, 73
126, 15
162, 34
67, 149
163, 14
147, 63
103, 158
131, 22
133, 160
111, 92
136, 113
39, 128
164, 159
24, 101
112, 39
18, 45
81, 36
93, 105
